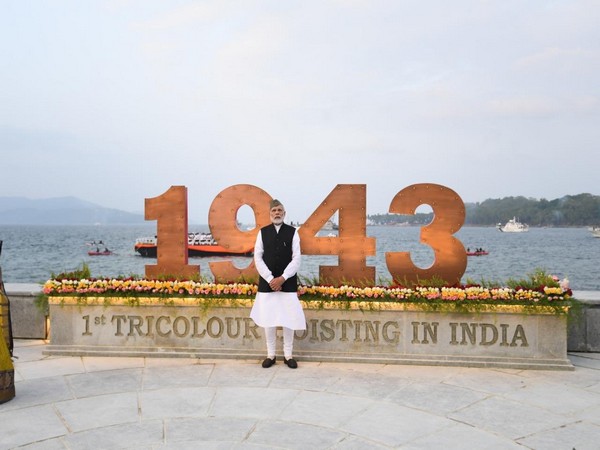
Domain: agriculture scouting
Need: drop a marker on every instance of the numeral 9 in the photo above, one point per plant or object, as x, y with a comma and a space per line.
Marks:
222, 220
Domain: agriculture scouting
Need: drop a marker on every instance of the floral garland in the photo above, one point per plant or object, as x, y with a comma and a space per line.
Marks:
130, 287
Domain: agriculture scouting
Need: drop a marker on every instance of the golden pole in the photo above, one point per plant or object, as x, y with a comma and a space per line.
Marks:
7, 370
7, 373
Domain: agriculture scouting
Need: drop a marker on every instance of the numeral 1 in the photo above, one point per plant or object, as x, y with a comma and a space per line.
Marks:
170, 212
87, 326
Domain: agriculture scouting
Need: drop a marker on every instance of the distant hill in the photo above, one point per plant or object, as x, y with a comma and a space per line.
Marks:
568, 211
61, 211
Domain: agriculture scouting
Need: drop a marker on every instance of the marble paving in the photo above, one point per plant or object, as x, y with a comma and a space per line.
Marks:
164, 403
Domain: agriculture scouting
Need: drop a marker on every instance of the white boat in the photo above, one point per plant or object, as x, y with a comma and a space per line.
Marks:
513, 226
330, 225
595, 231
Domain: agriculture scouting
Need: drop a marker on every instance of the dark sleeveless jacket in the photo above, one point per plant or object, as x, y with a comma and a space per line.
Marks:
277, 255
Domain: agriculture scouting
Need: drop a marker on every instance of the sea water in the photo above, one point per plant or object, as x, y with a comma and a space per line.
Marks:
31, 254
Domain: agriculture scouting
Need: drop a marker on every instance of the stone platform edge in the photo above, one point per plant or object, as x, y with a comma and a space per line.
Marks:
374, 358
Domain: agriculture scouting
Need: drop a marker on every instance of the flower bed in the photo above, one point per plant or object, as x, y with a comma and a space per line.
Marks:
521, 326
133, 290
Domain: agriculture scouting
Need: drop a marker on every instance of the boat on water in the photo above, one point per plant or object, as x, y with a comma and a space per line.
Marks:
478, 252
595, 231
330, 225
199, 244
513, 226
98, 252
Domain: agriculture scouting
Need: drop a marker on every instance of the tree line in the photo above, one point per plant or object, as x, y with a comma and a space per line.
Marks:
568, 211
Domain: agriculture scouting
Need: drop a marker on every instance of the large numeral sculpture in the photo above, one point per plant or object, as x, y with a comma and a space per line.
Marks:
171, 213
352, 246
222, 220
448, 217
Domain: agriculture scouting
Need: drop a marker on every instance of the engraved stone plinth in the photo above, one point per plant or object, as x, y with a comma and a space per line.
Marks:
394, 333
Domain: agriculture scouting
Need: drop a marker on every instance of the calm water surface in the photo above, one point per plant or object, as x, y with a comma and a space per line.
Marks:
31, 254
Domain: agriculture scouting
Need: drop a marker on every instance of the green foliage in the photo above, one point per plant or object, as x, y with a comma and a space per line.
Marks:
490, 284
434, 282
80, 273
405, 219
169, 277
571, 210
308, 281
534, 280
41, 303
314, 281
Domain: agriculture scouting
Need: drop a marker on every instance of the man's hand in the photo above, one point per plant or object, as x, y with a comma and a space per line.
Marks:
276, 283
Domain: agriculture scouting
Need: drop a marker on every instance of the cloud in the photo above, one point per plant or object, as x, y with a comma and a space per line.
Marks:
543, 106
569, 60
184, 16
523, 106
296, 97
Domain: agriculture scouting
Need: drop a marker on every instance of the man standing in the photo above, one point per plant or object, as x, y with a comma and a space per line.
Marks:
277, 259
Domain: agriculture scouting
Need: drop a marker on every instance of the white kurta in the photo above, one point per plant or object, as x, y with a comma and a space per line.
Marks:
278, 309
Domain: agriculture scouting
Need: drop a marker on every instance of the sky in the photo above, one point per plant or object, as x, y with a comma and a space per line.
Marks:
115, 101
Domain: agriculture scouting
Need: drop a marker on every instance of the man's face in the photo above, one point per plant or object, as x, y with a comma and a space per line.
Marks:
277, 214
